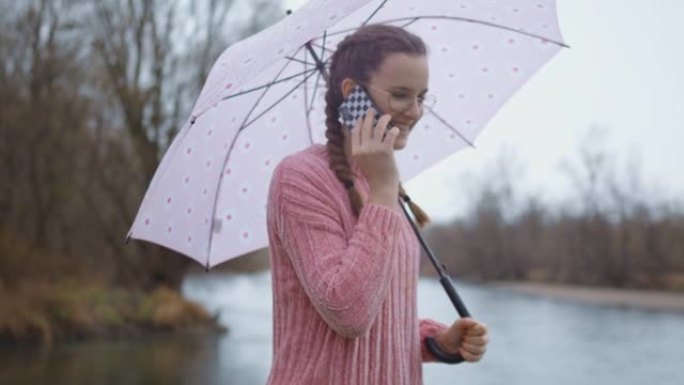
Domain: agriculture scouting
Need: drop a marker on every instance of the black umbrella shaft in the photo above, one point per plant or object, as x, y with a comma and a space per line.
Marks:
444, 278
320, 66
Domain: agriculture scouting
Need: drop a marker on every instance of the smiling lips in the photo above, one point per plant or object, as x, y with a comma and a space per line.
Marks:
402, 127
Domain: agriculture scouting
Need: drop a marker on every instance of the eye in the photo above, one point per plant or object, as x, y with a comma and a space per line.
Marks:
401, 95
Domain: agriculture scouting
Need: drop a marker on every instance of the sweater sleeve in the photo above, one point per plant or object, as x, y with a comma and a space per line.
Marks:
429, 328
346, 279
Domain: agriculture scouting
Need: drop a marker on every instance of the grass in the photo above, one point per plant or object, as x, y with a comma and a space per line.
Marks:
47, 313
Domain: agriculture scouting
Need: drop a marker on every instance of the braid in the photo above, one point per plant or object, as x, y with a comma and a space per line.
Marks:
335, 145
421, 217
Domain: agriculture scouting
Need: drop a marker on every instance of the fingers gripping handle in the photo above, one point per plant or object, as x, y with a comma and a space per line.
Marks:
430, 342
440, 354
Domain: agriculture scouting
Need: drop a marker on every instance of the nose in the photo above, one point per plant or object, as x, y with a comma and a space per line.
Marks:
415, 111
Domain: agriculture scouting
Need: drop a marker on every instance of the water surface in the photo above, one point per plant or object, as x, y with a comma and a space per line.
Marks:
534, 341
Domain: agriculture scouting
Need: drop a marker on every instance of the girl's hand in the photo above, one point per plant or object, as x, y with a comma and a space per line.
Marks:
465, 336
373, 149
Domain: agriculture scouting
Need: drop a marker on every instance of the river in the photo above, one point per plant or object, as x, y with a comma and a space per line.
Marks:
534, 340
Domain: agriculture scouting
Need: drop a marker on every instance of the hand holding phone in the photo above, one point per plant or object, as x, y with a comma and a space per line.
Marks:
372, 148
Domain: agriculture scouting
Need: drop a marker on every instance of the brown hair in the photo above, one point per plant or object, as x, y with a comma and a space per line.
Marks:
357, 57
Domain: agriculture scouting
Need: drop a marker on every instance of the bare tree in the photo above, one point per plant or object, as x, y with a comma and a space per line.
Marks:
92, 94
153, 69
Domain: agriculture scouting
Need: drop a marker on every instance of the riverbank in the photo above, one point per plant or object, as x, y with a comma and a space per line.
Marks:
628, 298
47, 313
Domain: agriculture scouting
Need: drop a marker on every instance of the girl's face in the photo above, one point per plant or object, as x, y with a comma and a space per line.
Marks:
397, 88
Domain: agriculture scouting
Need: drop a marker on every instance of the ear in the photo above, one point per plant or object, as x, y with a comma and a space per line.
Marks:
348, 85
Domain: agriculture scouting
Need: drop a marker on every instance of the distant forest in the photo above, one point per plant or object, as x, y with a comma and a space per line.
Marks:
613, 229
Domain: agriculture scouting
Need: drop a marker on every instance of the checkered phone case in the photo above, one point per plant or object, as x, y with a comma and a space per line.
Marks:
355, 106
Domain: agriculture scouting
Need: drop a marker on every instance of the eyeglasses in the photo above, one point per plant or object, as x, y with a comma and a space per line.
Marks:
400, 101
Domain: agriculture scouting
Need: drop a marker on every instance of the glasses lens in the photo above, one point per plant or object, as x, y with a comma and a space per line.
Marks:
429, 101
401, 102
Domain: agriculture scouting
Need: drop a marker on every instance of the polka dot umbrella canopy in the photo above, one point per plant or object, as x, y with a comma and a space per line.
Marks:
264, 99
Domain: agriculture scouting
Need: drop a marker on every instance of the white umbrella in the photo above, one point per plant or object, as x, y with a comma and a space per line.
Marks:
263, 100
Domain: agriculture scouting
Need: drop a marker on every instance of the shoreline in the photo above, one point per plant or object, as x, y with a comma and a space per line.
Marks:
47, 313
625, 298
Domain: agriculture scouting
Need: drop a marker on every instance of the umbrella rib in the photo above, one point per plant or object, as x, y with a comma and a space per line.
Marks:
296, 60
276, 102
323, 47
313, 97
475, 21
410, 22
306, 109
267, 85
318, 78
227, 158
256, 103
443, 121
374, 12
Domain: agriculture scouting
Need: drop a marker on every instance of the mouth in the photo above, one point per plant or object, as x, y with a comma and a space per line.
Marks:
404, 127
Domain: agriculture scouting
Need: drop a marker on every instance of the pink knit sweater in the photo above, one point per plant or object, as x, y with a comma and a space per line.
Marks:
344, 290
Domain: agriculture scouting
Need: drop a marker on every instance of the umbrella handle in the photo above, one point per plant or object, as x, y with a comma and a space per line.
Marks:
430, 342
440, 354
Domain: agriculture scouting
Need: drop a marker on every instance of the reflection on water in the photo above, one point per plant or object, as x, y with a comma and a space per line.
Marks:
149, 361
534, 341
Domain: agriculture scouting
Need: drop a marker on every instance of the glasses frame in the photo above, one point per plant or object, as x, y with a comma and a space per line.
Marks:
416, 99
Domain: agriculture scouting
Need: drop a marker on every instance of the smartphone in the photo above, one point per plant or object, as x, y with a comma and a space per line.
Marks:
355, 106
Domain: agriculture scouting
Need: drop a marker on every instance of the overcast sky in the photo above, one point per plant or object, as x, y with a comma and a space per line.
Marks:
624, 74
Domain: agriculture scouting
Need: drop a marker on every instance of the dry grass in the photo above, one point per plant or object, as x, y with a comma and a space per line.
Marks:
50, 312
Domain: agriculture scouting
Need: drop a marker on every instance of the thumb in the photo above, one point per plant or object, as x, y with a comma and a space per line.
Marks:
464, 324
